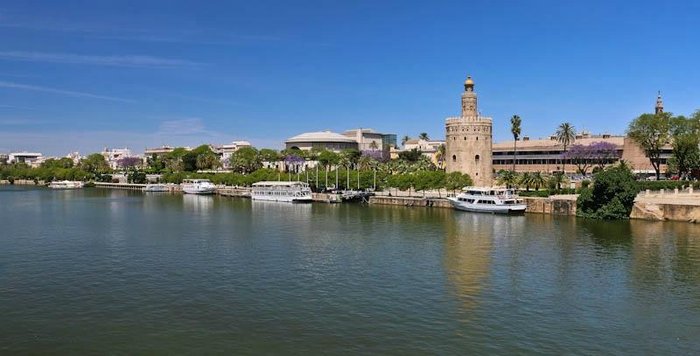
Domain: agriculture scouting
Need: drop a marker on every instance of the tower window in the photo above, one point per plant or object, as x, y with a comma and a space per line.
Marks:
476, 158
465, 138
454, 158
477, 138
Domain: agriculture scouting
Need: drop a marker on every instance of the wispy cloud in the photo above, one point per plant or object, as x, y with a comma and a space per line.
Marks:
19, 86
119, 33
20, 122
116, 61
184, 127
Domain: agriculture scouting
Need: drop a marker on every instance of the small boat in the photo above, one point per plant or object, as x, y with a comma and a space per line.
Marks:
488, 200
198, 186
292, 192
66, 184
156, 188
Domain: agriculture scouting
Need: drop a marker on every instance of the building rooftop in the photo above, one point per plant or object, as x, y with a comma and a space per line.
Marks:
320, 136
526, 143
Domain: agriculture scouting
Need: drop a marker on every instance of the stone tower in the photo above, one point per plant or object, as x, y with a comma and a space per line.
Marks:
659, 104
469, 140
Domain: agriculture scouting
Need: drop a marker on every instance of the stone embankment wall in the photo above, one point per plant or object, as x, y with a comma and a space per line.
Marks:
559, 205
23, 182
673, 205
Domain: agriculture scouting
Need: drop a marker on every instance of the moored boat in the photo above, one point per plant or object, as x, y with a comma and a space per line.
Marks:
488, 200
198, 186
293, 192
156, 188
66, 184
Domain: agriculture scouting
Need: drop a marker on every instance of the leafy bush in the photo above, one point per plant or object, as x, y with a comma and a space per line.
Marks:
612, 195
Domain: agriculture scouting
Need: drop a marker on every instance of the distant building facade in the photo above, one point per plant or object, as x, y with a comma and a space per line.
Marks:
469, 140
370, 140
33, 159
113, 155
226, 151
429, 148
321, 140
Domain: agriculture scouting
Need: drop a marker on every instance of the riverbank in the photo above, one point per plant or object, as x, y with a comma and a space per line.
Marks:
674, 205
555, 205
663, 205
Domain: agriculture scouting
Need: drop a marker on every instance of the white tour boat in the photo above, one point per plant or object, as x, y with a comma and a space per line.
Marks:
293, 192
198, 186
488, 200
66, 184
156, 188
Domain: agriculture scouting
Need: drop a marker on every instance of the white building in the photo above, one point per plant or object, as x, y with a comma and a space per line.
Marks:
321, 140
31, 158
113, 155
225, 151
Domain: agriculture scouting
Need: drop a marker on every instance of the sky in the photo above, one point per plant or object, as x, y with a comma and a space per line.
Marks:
84, 75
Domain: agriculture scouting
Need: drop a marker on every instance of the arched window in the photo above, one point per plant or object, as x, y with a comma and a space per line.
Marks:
477, 138
454, 158
476, 158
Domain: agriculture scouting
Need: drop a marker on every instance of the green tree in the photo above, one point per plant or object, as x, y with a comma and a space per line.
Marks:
685, 138
245, 160
565, 135
423, 136
328, 158
515, 130
412, 155
526, 180
611, 196
651, 132
269, 155
95, 164
440, 156
556, 180
508, 178
537, 180
456, 181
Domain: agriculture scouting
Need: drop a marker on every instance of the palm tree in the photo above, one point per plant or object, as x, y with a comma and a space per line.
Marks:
526, 180
508, 178
440, 155
373, 145
404, 140
423, 136
537, 180
566, 135
515, 130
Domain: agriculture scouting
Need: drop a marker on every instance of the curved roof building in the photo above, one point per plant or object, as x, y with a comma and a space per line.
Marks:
321, 140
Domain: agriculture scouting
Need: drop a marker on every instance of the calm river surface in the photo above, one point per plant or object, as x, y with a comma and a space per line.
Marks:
108, 271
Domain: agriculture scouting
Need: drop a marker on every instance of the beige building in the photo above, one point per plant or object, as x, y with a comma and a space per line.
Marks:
321, 140
428, 148
546, 155
469, 140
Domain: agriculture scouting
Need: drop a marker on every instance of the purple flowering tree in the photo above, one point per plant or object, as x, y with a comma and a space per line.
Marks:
604, 153
129, 162
586, 156
293, 162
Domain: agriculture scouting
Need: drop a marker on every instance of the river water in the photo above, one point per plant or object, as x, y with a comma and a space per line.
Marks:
109, 271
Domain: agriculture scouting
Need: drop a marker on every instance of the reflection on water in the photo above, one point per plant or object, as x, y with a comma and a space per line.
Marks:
107, 271
198, 203
469, 243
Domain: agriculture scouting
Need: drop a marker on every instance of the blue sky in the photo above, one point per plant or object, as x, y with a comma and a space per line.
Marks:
81, 75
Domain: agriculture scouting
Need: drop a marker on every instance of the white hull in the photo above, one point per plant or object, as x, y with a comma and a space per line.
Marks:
289, 192
287, 199
200, 191
156, 188
198, 186
488, 208
66, 185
